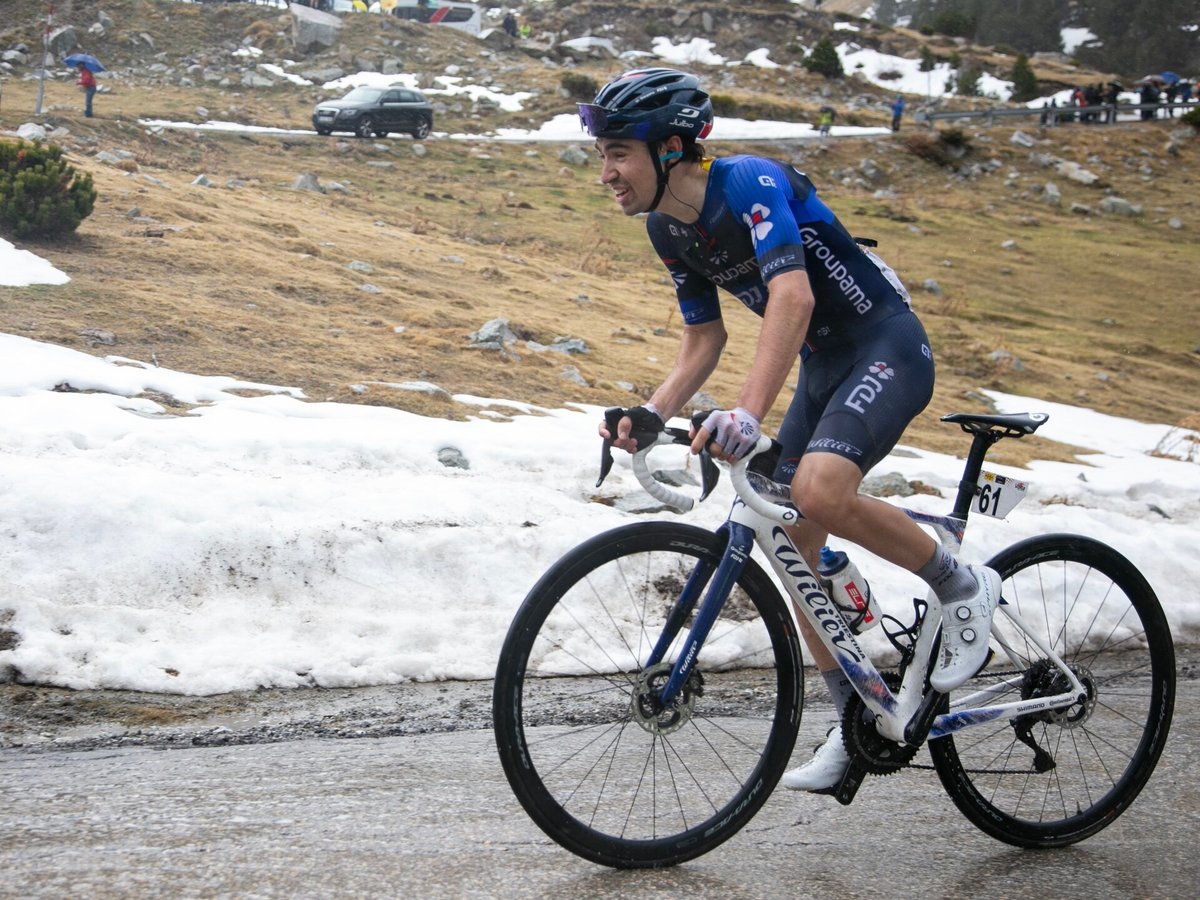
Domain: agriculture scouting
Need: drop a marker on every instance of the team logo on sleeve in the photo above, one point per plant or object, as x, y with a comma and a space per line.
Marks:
756, 221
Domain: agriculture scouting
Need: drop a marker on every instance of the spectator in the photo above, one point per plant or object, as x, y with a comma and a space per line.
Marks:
1148, 95
897, 112
1111, 95
825, 122
87, 82
1185, 92
510, 25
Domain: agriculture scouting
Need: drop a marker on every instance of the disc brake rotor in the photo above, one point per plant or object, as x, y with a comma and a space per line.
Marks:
647, 708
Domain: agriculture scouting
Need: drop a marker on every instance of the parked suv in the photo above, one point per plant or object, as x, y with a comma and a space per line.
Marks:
368, 111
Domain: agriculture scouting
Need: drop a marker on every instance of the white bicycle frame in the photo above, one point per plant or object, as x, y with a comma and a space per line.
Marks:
903, 716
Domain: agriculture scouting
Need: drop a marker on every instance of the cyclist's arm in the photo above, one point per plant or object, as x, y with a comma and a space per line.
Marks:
699, 351
785, 323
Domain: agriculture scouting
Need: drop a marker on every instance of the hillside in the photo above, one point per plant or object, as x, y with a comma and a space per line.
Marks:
252, 277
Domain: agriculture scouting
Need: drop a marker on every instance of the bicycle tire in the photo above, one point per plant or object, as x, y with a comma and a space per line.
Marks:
585, 767
1094, 608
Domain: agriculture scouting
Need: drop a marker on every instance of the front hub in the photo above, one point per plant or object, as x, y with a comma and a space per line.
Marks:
647, 707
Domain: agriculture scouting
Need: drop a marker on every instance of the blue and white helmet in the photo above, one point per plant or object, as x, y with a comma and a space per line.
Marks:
649, 105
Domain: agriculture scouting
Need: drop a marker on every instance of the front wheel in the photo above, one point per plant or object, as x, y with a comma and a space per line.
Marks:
593, 756
1052, 778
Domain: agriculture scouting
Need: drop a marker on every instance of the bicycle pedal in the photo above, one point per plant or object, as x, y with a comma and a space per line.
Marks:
845, 789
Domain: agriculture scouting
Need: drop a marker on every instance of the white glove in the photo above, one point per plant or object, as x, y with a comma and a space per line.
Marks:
734, 431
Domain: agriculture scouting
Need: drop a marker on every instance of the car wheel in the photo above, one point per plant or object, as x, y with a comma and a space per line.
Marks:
422, 130
365, 128
382, 134
324, 131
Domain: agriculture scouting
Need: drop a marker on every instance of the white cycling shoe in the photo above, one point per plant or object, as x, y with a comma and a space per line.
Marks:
824, 770
965, 629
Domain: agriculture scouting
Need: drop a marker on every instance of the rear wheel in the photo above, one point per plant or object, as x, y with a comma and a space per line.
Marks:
422, 129
1056, 777
593, 756
366, 127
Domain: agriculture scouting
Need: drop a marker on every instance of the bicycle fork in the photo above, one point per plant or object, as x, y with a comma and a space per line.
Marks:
739, 541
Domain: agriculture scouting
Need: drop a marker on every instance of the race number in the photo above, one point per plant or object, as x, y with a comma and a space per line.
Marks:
997, 495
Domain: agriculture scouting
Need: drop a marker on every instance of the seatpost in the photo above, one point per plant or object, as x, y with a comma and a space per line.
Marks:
968, 488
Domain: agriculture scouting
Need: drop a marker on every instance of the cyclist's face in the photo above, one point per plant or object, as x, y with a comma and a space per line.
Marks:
628, 172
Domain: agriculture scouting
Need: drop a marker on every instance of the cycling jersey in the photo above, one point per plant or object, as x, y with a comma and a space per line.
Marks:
762, 217
869, 379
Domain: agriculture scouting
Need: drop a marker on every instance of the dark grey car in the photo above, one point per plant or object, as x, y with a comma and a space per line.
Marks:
368, 111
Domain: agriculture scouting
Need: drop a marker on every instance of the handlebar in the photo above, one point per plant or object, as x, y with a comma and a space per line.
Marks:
739, 472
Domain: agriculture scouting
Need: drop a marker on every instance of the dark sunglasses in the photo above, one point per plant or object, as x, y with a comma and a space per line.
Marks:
593, 117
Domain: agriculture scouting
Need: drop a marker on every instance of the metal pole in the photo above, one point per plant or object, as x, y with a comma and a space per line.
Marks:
45, 52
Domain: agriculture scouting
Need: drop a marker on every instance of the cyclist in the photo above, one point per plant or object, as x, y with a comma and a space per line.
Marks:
756, 228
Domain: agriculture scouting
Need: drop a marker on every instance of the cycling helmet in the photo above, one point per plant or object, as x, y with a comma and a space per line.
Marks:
649, 105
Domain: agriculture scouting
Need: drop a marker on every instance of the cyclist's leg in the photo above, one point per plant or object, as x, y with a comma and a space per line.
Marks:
887, 384
830, 760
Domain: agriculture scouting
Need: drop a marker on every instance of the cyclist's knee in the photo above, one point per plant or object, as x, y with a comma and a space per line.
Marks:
825, 487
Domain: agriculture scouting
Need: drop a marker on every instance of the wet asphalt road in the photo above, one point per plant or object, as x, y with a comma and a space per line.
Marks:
432, 816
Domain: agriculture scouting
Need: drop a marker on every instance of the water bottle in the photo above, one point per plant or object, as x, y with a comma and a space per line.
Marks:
848, 590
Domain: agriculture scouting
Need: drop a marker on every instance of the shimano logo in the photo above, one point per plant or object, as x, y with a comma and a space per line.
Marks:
837, 270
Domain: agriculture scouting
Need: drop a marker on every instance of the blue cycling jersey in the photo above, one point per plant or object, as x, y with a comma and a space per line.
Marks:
762, 217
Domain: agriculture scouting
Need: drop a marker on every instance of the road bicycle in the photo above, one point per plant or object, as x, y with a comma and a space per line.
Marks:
650, 687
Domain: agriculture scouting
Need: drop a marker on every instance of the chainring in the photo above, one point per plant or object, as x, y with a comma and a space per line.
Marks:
877, 754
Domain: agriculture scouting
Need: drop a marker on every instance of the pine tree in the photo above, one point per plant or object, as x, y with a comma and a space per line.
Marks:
967, 84
824, 59
1025, 83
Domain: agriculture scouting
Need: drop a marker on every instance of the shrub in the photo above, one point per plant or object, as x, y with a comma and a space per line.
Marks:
724, 105
824, 59
943, 148
1191, 117
579, 86
41, 195
1025, 83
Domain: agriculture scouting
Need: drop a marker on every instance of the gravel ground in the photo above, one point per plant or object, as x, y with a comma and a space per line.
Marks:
34, 717
55, 718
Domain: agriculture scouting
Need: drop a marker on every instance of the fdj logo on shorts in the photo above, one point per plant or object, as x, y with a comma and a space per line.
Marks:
870, 387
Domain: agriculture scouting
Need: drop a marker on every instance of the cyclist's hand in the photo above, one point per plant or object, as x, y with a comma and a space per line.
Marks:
733, 433
638, 424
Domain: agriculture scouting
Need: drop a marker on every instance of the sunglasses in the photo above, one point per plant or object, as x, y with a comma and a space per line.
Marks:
593, 117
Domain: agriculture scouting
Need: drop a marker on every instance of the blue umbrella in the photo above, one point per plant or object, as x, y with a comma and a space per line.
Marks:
84, 59
1170, 77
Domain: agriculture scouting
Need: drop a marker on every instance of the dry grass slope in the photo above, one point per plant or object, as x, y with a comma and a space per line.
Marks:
254, 280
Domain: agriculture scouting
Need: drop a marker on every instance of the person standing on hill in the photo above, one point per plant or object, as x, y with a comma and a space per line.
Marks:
897, 112
825, 120
87, 82
756, 228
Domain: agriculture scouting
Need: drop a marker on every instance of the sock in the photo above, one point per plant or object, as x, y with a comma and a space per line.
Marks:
839, 688
950, 581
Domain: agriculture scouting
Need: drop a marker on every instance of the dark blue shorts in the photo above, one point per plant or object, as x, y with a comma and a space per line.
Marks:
856, 400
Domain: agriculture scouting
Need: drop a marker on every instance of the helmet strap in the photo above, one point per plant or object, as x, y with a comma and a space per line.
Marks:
662, 172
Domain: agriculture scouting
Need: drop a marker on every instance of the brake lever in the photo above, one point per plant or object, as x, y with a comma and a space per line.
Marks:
612, 418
